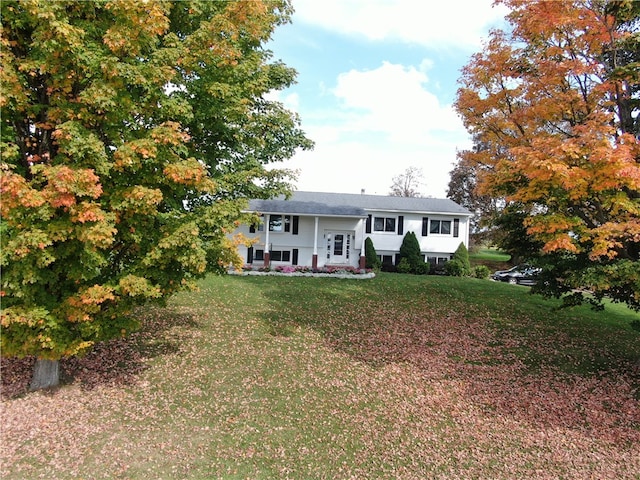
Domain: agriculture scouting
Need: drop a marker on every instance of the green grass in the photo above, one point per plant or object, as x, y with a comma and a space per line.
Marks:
489, 254
490, 257
396, 377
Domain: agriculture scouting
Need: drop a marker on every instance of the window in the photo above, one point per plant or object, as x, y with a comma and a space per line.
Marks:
257, 227
440, 227
280, 255
437, 260
275, 223
282, 223
384, 224
274, 255
386, 259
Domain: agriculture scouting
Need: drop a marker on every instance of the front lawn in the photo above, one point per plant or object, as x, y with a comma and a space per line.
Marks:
399, 377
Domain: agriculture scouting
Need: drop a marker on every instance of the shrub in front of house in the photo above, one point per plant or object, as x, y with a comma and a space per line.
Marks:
422, 268
371, 256
389, 267
404, 266
410, 251
455, 268
481, 271
286, 269
462, 255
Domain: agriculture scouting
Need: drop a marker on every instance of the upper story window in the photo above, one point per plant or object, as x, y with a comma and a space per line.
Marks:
440, 227
276, 223
282, 223
384, 224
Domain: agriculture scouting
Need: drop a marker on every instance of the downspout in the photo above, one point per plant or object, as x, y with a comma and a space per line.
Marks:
314, 260
267, 255
363, 258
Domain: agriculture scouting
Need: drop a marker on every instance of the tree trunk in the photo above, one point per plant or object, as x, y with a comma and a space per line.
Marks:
46, 374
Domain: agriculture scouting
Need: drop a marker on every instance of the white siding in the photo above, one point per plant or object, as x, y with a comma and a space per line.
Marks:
438, 245
431, 243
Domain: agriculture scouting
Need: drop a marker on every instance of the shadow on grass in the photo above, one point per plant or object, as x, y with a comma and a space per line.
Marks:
542, 371
116, 362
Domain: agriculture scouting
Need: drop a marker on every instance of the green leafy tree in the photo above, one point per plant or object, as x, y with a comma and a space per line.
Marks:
370, 254
131, 135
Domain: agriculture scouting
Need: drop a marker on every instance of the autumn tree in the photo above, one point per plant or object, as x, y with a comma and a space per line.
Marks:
131, 135
555, 103
408, 183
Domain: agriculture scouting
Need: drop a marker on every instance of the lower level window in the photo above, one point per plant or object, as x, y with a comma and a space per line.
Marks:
437, 260
386, 259
274, 255
280, 255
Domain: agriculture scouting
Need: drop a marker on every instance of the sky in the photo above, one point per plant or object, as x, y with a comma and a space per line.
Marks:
375, 87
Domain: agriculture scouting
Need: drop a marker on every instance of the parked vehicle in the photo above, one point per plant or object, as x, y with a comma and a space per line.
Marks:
520, 274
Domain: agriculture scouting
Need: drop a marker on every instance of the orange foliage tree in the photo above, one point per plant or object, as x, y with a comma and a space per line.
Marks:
132, 133
554, 105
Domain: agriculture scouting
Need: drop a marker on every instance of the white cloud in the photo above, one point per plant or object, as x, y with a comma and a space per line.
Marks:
370, 124
387, 120
393, 99
431, 23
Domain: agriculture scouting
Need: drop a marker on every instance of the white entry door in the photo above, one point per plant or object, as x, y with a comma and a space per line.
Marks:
338, 246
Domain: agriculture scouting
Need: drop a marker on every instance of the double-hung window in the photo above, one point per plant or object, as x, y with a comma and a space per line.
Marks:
283, 223
440, 227
276, 223
384, 224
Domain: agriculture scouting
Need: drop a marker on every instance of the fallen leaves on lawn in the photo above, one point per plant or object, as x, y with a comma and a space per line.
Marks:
337, 389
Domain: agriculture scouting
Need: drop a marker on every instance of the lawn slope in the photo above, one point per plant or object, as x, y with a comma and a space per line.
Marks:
399, 377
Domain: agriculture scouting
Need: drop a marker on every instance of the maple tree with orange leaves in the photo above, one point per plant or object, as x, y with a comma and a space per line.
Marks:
132, 135
553, 106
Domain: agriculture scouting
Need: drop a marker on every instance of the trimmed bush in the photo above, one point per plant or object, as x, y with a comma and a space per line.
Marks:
455, 268
462, 255
410, 251
371, 256
481, 271
422, 268
404, 266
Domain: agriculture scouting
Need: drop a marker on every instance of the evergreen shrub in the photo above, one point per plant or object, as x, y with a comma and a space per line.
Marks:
371, 256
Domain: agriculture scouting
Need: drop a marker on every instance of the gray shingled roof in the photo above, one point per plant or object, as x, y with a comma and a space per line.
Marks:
353, 205
293, 206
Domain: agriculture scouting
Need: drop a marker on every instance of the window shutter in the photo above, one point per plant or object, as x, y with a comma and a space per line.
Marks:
296, 221
294, 256
456, 227
425, 226
252, 229
368, 227
250, 255
400, 224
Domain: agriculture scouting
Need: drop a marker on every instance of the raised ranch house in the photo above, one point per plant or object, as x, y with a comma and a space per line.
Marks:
329, 229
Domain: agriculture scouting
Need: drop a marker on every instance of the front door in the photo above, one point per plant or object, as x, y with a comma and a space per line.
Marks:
338, 245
